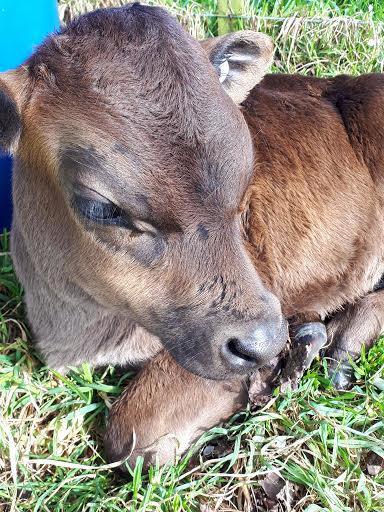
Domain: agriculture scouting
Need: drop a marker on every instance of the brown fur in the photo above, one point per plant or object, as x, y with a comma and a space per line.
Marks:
234, 214
178, 416
152, 130
315, 209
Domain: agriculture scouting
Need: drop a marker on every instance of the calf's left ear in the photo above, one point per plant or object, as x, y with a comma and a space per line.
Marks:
241, 59
10, 118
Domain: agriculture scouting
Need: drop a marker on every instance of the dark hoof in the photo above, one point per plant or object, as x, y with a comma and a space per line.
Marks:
307, 341
342, 376
310, 338
115, 453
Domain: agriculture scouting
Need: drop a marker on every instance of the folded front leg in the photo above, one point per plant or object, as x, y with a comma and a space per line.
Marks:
164, 409
356, 325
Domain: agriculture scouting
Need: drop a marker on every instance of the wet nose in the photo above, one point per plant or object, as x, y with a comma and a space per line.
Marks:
255, 347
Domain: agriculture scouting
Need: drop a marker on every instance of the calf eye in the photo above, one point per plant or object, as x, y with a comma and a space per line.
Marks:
96, 210
103, 212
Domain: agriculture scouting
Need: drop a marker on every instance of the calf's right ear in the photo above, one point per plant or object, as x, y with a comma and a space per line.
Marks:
10, 118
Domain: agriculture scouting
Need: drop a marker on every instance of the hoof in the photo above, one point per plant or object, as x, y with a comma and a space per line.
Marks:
342, 376
164, 451
308, 340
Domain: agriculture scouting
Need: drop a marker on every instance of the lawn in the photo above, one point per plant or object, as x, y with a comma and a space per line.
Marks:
327, 446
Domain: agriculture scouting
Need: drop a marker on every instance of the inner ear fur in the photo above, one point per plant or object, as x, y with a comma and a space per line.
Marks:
241, 59
12, 89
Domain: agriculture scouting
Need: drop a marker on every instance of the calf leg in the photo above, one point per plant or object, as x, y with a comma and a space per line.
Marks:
165, 409
358, 324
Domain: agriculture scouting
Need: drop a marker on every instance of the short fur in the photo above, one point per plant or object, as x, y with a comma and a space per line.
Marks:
232, 215
10, 123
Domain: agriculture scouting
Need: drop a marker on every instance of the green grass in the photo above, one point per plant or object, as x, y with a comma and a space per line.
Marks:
51, 452
318, 439
319, 37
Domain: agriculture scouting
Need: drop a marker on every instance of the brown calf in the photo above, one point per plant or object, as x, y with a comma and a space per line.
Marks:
151, 212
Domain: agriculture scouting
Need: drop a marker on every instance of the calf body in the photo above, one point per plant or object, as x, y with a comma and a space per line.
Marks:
315, 212
313, 227
152, 212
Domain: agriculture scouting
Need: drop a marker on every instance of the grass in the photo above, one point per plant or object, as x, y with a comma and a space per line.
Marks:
51, 458
320, 441
319, 37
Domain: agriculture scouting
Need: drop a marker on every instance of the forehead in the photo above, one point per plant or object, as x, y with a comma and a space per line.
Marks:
205, 175
136, 105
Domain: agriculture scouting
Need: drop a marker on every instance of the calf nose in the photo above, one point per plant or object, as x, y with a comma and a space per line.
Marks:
255, 347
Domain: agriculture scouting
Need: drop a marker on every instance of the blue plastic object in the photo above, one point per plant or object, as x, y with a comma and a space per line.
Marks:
23, 25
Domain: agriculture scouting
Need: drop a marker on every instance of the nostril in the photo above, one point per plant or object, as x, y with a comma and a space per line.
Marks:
236, 348
253, 346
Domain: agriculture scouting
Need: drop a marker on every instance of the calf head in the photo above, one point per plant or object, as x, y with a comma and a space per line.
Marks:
132, 162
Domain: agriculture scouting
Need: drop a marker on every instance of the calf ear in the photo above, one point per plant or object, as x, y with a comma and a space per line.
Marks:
10, 119
241, 59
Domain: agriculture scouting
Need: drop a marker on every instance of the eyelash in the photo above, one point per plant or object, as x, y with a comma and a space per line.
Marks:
103, 213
